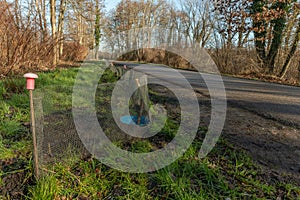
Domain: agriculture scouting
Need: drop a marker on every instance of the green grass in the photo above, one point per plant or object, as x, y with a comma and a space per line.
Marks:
46, 189
15, 136
187, 178
226, 173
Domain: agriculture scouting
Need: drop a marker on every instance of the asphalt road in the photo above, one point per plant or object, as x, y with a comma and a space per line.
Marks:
273, 101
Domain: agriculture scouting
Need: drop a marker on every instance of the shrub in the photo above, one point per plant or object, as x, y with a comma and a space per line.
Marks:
73, 51
23, 46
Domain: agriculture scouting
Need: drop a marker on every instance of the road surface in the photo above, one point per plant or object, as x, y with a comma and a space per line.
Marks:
273, 101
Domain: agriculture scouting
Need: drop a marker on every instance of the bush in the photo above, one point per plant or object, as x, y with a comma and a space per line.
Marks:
157, 56
23, 46
236, 61
74, 52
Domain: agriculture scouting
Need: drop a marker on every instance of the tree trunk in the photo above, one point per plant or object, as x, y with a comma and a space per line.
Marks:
279, 26
40, 19
291, 53
53, 27
259, 26
97, 33
260, 42
45, 29
61, 20
17, 11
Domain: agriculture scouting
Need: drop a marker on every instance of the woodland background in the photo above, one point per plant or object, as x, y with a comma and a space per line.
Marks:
256, 38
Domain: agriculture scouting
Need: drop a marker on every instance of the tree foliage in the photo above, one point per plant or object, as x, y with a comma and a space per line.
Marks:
269, 24
234, 20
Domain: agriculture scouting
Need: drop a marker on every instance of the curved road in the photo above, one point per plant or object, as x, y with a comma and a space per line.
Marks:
273, 101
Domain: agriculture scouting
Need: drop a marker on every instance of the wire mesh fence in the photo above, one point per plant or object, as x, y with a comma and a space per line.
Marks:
57, 135
57, 138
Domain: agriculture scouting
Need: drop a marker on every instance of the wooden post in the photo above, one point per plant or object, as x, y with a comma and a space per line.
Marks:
141, 104
35, 150
30, 86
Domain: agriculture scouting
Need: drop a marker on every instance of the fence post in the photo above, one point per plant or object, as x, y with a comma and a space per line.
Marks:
30, 86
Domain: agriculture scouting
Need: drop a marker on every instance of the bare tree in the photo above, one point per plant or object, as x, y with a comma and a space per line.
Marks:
97, 32
61, 21
197, 23
53, 30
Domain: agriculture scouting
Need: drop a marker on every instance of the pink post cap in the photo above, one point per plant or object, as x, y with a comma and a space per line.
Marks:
30, 80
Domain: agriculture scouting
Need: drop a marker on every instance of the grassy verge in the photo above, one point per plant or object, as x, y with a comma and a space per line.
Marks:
227, 173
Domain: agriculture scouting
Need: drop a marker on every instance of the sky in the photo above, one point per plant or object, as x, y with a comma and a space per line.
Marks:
110, 4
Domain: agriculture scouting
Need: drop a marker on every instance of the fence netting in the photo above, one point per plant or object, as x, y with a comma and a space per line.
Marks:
57, 137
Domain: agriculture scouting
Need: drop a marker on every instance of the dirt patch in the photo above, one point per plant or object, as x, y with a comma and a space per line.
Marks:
271, 144
16, 178
275, 147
